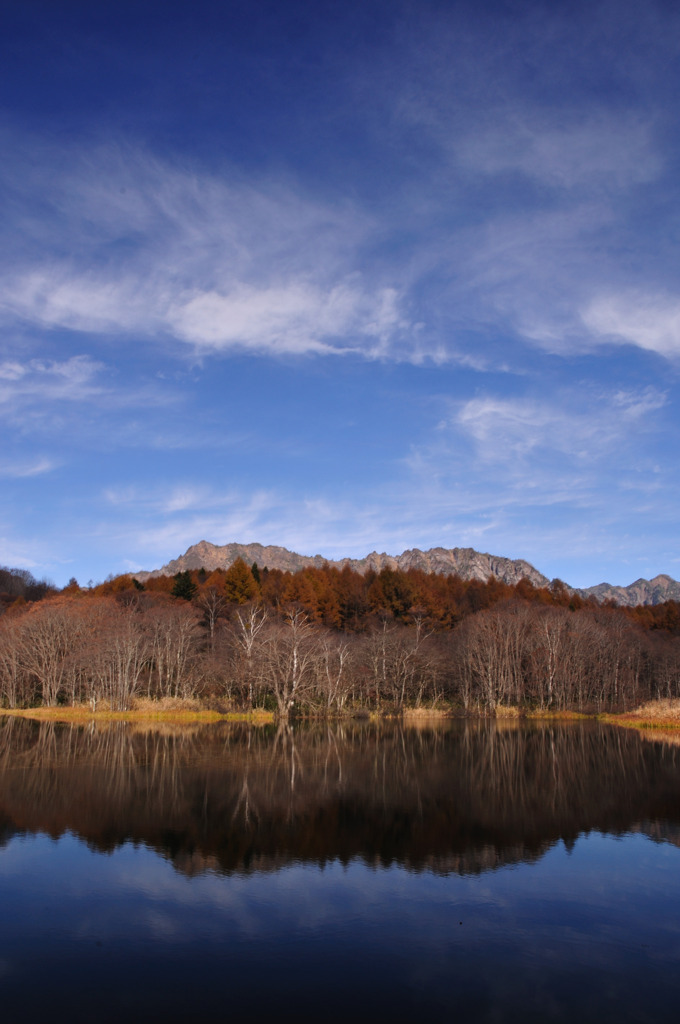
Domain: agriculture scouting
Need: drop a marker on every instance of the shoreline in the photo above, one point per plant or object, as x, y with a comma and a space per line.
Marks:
82, 715
663, 714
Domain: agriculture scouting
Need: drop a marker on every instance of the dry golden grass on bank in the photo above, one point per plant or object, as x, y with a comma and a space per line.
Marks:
502, 713
557, 716
421, 714
659, 710
507, 711
655, 714
164, 704
169, 710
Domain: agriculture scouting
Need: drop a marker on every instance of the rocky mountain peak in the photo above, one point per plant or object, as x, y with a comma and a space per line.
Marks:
467, 563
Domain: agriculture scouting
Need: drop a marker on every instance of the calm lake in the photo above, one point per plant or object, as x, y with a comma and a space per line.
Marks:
456, 871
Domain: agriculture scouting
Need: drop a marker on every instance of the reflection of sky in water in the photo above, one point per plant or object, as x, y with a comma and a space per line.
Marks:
484, 914
591, 931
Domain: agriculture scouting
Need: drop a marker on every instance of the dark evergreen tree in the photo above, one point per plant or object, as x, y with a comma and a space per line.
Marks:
184, 586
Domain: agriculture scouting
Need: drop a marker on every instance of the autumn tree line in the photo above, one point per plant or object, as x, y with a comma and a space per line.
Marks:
330, 641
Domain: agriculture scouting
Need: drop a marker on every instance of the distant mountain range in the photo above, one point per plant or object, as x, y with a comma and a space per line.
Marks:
464, 562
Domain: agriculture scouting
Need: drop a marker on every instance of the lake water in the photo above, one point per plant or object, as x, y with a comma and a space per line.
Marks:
450, 872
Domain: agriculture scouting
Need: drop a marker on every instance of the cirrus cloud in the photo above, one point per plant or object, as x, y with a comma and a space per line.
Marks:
160, 252
651, 322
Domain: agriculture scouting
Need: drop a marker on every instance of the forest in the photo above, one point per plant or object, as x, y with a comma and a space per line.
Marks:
328, 642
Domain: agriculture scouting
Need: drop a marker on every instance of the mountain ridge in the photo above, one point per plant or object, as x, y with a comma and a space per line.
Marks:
465, 562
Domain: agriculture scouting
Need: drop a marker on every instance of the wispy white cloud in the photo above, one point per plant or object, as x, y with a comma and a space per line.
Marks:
72, 380
296, 318
18, 554
157, 526
563, 280
650, 321
488, 469
569, 190
81, 403
532, 274
167, 501
165, 517
527, 471
587, 153
160, 252
511, 428
179, 255
27, 468
61, 295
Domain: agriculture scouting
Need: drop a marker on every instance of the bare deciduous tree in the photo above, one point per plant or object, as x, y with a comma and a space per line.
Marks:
290, 652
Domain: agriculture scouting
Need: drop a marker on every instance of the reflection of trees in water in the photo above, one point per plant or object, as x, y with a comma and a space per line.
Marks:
461, 797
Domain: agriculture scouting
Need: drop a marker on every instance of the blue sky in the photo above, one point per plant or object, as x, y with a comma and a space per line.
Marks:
341, 277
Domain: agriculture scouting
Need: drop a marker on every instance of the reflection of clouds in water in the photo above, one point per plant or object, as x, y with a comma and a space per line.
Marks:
501, 937
134, 887
308, 899
162, 926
